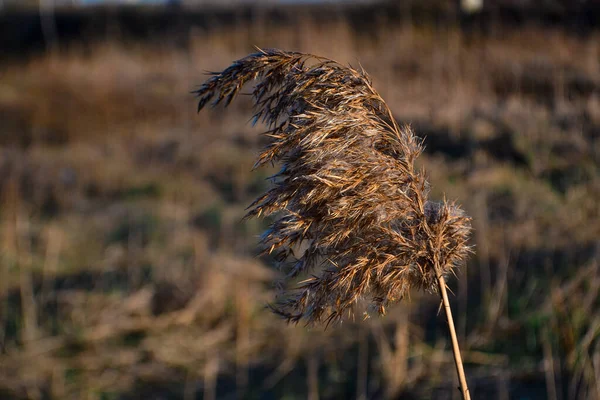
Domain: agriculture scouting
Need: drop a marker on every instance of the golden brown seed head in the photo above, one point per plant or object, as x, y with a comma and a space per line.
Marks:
347, 191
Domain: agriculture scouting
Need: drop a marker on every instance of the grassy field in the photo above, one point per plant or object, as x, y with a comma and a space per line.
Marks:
126, 271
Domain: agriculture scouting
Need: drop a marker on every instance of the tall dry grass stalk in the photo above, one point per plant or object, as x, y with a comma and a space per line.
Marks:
348, 190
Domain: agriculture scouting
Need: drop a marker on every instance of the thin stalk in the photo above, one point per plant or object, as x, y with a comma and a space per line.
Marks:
460, 371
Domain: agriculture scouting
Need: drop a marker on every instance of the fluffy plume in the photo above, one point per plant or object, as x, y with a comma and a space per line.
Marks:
347, 190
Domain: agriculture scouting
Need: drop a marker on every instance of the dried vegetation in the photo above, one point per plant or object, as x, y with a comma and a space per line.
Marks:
347, 188
126, 272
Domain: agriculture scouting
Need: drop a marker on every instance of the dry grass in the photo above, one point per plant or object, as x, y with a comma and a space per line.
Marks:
121, 193
347, 188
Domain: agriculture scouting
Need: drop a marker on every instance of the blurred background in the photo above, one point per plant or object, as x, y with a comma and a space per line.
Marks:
126, 271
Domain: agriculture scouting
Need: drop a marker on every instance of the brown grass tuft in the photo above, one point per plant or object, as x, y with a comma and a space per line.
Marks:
347, 190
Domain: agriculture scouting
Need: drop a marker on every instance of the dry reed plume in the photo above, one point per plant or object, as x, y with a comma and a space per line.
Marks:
347, 190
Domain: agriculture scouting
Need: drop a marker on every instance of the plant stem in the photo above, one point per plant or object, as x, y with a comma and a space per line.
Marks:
455, 349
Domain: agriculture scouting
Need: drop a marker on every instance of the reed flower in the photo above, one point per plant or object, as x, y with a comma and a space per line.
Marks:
348, 188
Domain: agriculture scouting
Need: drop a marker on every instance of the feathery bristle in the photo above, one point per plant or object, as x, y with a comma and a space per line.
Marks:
347, 190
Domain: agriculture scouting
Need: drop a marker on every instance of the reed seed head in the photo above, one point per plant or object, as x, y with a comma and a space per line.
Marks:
347, 191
